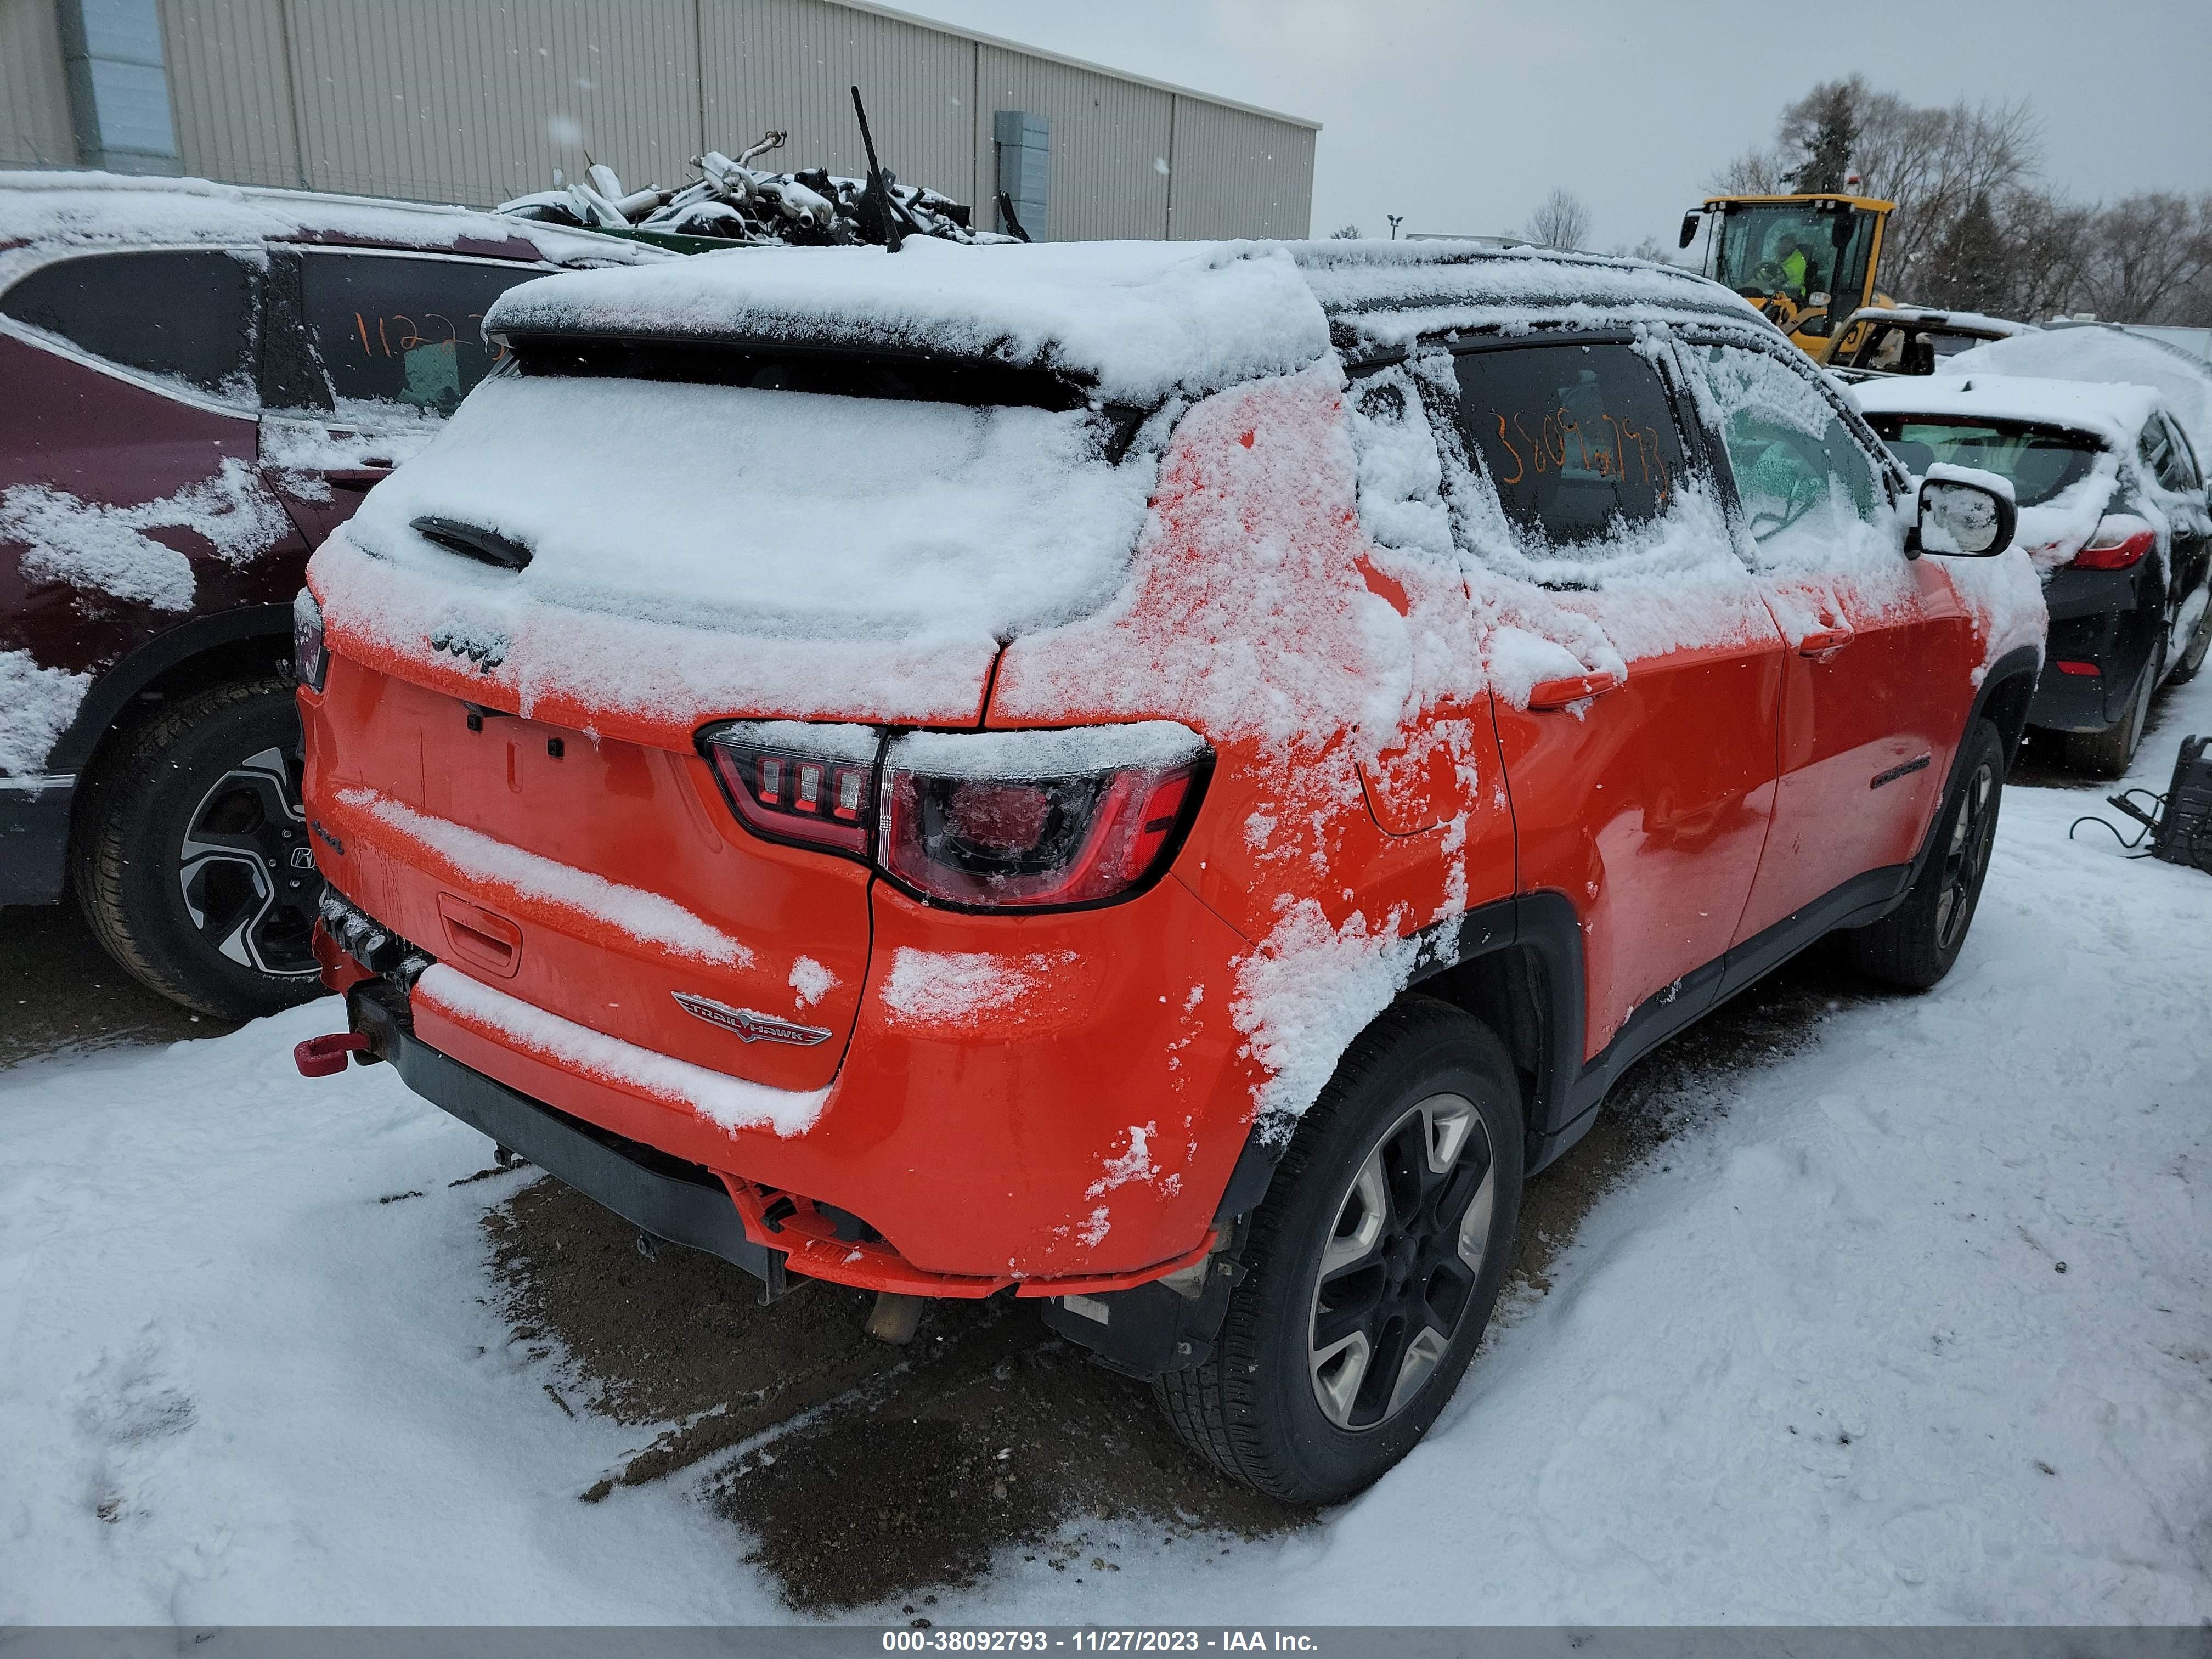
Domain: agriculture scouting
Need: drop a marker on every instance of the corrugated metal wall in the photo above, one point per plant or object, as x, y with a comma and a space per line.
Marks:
230, 86
34, 113
790, 64
478, 100
1239, 174
1109, 143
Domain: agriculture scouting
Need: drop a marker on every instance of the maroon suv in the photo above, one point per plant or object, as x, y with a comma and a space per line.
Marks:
198, 383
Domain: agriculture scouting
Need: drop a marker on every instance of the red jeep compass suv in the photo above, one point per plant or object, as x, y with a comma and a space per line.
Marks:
1160, 779
196, 384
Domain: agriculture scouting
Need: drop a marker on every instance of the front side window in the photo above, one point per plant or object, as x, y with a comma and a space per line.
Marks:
182, 314
2042, 462
398, 329
1579, 440
1799, 469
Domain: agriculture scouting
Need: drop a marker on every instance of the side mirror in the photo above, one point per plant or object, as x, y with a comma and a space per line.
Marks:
1966, 513
1689, 228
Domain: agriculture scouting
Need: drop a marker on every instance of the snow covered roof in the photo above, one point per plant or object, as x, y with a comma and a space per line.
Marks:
1383, 293
1974, 322
2114, 413
1136, 320
2109, 354
40, 212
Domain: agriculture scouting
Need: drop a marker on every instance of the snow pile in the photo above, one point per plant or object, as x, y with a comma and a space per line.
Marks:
36, 707
1134, 321
42, 213
949, 988
530, 883
93, 546
730, 1102
822, 557
2111, 355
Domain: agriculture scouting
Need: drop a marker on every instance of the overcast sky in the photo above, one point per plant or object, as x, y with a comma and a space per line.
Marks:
1463, 117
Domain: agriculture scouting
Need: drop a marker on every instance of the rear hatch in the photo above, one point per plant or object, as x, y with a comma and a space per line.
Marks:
617, 544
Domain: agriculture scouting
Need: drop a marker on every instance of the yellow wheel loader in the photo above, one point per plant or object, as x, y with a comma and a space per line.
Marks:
1808, 262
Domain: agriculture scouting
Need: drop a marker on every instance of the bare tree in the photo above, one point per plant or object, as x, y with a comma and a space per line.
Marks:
2147, 260
1346, 234
1757, 172
1561, 220
2050, 240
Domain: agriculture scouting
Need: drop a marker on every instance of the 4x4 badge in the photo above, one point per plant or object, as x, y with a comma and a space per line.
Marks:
753, 1027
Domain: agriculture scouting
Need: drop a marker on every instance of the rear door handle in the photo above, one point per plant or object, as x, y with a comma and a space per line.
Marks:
1578, 688
1823, 643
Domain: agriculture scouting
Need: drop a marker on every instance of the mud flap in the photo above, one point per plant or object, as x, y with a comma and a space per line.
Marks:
1167, 1325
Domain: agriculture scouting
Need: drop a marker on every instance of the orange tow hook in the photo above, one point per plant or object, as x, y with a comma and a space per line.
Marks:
325, 1056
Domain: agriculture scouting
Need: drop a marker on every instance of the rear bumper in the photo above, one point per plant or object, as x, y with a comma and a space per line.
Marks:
34, 829
1033, 1153
672, 1201
2096, 617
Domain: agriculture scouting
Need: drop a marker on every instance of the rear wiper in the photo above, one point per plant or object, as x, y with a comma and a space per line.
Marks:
474, 542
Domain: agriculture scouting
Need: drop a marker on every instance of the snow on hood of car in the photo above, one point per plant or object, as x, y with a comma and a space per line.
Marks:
2108, 354
705, 549
1937, 317
42, 212
2115, 414
1134, 320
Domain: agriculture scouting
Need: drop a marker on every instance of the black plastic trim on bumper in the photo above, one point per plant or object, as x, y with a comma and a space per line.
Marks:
680, 1208
34, 831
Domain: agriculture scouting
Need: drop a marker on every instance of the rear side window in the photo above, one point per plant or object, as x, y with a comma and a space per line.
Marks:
1796, 464
1579, 440
2167, 456
397, 329
183, 315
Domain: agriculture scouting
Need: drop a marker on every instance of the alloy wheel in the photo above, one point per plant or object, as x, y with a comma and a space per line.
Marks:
1965, 852
247, 870
1400, 1266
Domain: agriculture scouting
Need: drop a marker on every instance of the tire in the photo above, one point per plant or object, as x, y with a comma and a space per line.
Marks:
1914, 945
1328, 1254
191, 861
2108, 753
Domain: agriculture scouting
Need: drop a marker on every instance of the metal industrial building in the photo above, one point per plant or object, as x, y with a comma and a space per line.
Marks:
479, 100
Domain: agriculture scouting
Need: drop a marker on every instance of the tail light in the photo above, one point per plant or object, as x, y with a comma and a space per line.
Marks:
1036, 820
2120, 543
309, 660
814, 785
2084, 669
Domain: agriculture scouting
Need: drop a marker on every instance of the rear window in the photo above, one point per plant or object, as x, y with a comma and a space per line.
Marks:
2042, 462
1579, 439
184, 315
761, 366
402, 328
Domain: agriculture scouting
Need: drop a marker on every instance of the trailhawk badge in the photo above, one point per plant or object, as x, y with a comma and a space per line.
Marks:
753, 1027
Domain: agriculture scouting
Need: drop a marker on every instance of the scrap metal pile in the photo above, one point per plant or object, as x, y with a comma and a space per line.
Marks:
734, 201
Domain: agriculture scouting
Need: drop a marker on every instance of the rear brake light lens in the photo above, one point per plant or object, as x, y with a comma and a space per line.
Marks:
2120, 543
787, 780
309, 660
2085, 669
1037, 820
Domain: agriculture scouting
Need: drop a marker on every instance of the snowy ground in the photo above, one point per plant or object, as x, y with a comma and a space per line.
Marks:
1916, 1330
